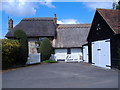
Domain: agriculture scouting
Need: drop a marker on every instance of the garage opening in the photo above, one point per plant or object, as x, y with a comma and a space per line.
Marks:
101, 53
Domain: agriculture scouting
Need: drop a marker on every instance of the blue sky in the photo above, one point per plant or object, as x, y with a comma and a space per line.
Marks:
67, 12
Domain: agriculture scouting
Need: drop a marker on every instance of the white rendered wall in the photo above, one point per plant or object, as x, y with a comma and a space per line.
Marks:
61, 54
76, 53
34, 56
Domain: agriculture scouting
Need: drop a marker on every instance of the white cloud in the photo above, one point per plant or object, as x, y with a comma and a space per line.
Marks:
68, 21
48, 3
23, 7
94, 5
59, 22
19, 8
0, 6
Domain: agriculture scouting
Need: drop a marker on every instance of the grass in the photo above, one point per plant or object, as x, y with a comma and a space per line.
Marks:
49, 61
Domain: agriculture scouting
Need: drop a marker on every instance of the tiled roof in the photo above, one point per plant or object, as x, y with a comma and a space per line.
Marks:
112, 17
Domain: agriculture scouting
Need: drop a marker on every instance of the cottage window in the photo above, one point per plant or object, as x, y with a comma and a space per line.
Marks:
68, 51
41, 38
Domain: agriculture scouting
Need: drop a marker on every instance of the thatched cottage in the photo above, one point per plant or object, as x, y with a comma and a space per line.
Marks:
67, 39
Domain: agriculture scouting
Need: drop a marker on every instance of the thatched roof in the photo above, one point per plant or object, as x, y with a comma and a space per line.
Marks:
35, 27
71, 35
112, 17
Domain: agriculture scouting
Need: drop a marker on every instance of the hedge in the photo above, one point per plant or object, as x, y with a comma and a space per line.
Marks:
10, 52
50, 61
45, 49
22, 37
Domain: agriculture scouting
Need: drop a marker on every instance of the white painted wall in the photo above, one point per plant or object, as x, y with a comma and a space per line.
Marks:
34, 56
85, 54
101, 53
76, 54
60, 54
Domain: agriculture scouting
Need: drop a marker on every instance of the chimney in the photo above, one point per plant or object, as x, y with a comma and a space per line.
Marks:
55, 19
10, 24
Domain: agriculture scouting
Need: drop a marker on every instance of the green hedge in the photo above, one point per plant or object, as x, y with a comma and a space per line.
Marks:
22, 37
45, 49
50, 61
10, 52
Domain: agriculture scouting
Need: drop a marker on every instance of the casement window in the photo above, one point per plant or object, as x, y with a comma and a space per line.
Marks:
41, 38
68, 51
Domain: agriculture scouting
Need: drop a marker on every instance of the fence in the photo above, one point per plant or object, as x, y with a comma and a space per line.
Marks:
34, 58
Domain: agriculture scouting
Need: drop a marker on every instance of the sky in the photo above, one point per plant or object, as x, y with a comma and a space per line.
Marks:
67, 12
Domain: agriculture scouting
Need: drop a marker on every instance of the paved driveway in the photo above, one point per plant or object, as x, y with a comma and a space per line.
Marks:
61, 75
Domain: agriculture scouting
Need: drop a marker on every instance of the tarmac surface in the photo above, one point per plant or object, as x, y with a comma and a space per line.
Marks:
60, 75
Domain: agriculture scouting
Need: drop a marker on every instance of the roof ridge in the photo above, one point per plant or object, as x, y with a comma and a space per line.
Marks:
76, 24
37, 18
105, 9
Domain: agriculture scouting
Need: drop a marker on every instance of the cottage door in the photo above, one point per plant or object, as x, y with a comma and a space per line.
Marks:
85, 53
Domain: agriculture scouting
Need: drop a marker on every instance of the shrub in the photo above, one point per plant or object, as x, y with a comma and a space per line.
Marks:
50, 61
45, 49
10, 52
22, 37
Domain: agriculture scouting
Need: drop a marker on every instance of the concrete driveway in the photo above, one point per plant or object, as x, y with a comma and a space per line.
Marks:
61, 75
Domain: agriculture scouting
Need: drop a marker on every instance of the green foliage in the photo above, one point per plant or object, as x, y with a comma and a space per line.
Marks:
49, 61
38, 43
118, 58
45, 49
117, 7
10, 52
22, 37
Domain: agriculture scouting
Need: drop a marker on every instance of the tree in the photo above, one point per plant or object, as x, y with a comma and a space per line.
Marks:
116, 5
22, 37
45, 49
